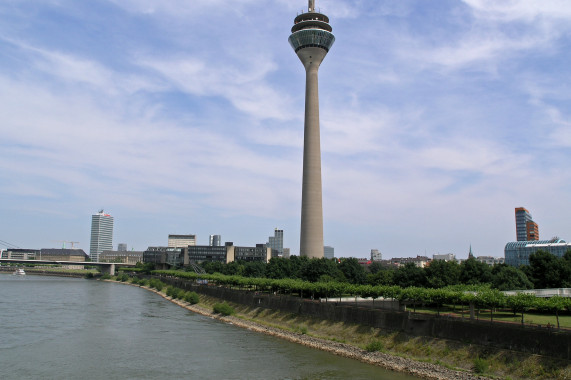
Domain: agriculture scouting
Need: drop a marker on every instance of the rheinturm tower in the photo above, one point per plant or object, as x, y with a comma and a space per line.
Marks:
311, 39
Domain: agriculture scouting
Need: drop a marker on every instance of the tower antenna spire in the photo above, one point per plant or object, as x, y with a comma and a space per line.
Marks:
311, 6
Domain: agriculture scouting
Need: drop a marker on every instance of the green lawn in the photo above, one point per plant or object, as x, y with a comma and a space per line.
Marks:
501, 315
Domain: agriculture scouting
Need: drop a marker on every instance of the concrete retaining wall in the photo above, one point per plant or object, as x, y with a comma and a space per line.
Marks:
514, 337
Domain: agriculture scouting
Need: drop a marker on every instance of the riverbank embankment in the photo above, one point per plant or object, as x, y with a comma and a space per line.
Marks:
472, 348
396, 363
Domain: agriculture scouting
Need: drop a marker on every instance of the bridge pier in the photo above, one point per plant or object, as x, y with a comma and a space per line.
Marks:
108, 269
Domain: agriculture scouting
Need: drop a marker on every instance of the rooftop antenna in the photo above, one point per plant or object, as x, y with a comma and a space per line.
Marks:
311, 6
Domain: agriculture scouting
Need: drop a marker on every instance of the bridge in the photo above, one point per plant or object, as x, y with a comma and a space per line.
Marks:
105, 267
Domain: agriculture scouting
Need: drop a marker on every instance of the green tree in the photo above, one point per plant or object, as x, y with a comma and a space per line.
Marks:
375, 267
506, 277
547, 271
520, 303
555, 305
233, 268
442, 273
410, 275
316, 268
254, 269
383, 277
473, 272
212, 267
353, 271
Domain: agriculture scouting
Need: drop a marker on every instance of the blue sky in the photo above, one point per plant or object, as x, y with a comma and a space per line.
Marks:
438, 118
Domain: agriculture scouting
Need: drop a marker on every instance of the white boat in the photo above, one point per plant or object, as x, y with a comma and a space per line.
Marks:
19, 272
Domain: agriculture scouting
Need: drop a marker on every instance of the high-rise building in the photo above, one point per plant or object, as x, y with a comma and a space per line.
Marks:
311, 40
121, 247
181, 241
526, 228
101, 234
328, 252
376, 255
215, 240
276, 243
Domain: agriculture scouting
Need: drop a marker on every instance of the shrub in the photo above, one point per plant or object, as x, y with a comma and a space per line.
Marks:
135, 280
106, 276
374, 346
223, 308
122, 277
191, 298
303, 330
171, 291
143, 282
480, 365
175, 292
157, 284
89, 275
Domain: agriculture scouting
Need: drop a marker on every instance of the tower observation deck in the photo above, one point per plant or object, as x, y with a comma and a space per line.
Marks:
311, 39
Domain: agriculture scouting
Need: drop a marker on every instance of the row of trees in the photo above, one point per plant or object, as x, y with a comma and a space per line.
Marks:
480, 296
545, 271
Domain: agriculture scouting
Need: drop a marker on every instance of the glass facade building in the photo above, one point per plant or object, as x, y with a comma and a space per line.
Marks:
328, 252
257, 253
101, 234
200, 253
215, 240
517, 253
526, 228
276, 243
173, 257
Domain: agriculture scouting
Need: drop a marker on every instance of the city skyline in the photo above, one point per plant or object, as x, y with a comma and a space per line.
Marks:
436, 122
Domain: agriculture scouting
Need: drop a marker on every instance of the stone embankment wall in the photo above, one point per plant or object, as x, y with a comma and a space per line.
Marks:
540, 341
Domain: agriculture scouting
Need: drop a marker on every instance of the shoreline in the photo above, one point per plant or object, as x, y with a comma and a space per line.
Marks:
387, 361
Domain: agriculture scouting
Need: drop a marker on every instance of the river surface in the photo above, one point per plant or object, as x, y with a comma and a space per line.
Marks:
65, 328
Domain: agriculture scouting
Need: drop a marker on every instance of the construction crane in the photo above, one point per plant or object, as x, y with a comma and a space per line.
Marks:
65, 241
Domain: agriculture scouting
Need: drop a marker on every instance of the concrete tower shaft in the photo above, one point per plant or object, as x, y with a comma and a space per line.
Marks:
311, 39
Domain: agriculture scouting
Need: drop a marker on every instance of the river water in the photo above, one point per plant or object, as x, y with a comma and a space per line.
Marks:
65, 328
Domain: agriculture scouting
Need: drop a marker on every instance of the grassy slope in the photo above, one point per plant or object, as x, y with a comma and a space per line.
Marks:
452, 354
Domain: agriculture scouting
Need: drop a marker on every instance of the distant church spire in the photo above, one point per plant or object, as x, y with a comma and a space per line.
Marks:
470, 254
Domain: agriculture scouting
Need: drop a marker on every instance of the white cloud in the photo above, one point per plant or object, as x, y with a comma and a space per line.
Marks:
521, 10
244, 86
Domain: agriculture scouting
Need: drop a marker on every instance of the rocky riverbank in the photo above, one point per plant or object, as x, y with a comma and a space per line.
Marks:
391, 362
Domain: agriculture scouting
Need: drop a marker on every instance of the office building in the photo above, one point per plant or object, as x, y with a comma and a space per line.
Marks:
126, 257
328, 252
526, 228
517, 253
21, 254
311, 40
166, 257
101, 234
276, 243
490, 260
121, 247
376, 255
215, 240
63, 254
445, 257
228, 253
181, 241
